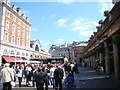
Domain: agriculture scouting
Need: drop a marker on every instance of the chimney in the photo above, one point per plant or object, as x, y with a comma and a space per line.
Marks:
27, 18
14, 7
19, 10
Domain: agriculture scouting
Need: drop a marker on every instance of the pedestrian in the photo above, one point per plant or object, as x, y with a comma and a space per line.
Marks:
20, 74
46, 77
39, 78
6, 77
52, 80
76, 67
28, 73
58, 76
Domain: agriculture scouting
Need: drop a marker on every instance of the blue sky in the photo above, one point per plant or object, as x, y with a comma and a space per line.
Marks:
60, 22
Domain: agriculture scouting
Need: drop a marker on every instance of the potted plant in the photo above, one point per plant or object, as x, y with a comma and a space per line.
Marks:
106, 12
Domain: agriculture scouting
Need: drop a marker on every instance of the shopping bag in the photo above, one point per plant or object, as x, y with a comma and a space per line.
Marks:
12, 83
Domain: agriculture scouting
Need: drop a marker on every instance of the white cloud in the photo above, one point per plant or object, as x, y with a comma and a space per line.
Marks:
66, 1
45, 43
81, 24
94, 23
34, 29
60, 41
84, 27
86, 33
105, 5
61, 22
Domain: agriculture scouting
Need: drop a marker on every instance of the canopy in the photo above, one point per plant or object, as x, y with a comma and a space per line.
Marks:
13, 59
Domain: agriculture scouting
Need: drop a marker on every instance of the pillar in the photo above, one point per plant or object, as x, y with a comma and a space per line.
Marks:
101, 57
107, 59
116, 53
93, 62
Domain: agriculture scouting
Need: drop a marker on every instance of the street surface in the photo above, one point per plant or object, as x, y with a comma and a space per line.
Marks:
86, 79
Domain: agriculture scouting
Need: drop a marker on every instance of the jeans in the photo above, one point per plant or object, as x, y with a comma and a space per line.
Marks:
20, 80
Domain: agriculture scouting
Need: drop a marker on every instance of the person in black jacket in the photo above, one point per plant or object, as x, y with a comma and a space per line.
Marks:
58, 76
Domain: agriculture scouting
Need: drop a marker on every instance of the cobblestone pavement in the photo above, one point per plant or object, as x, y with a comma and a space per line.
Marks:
87, 79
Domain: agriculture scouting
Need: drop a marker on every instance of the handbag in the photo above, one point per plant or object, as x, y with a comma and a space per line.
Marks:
12, 83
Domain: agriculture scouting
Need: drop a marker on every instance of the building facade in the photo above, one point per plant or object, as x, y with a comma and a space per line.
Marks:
78, 51
59, 51
15, 41
36, 52
73, 52
14, 33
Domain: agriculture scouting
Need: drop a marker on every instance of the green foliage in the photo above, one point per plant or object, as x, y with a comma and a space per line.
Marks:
99, 49
97, 27
71, 58
106, 12
94, 33
100, 22
116, 39
92, 53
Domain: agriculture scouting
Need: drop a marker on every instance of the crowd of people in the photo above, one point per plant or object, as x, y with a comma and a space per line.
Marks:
41, 75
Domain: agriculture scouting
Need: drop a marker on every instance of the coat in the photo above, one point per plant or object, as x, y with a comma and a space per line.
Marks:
6, 75
58, 73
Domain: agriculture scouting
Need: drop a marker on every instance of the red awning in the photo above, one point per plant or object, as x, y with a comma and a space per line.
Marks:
12, 59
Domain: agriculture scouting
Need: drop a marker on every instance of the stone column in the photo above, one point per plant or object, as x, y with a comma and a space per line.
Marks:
101, 56
93, 63
0, 56
0, 60
116, 52
107, 59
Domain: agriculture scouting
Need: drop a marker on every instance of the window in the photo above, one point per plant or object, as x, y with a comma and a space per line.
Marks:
19, 22
22, 42
19, 31
6, 37
12, 53
18, 53
18, 41
13, 39
7, 14
27, 43
36, 48
13, 28
14, 19
7, 25
23, 34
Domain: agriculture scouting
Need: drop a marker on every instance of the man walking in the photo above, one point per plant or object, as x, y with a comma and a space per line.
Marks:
58, 76
7, 76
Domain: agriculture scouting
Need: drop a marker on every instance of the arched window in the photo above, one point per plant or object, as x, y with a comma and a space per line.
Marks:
36, 48
18, 53
12, 53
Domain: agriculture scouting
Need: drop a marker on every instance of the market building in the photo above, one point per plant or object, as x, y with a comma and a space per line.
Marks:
104, 45
36, 52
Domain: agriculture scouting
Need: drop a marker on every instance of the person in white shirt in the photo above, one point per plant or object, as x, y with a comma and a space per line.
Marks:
52, 75
20, 74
